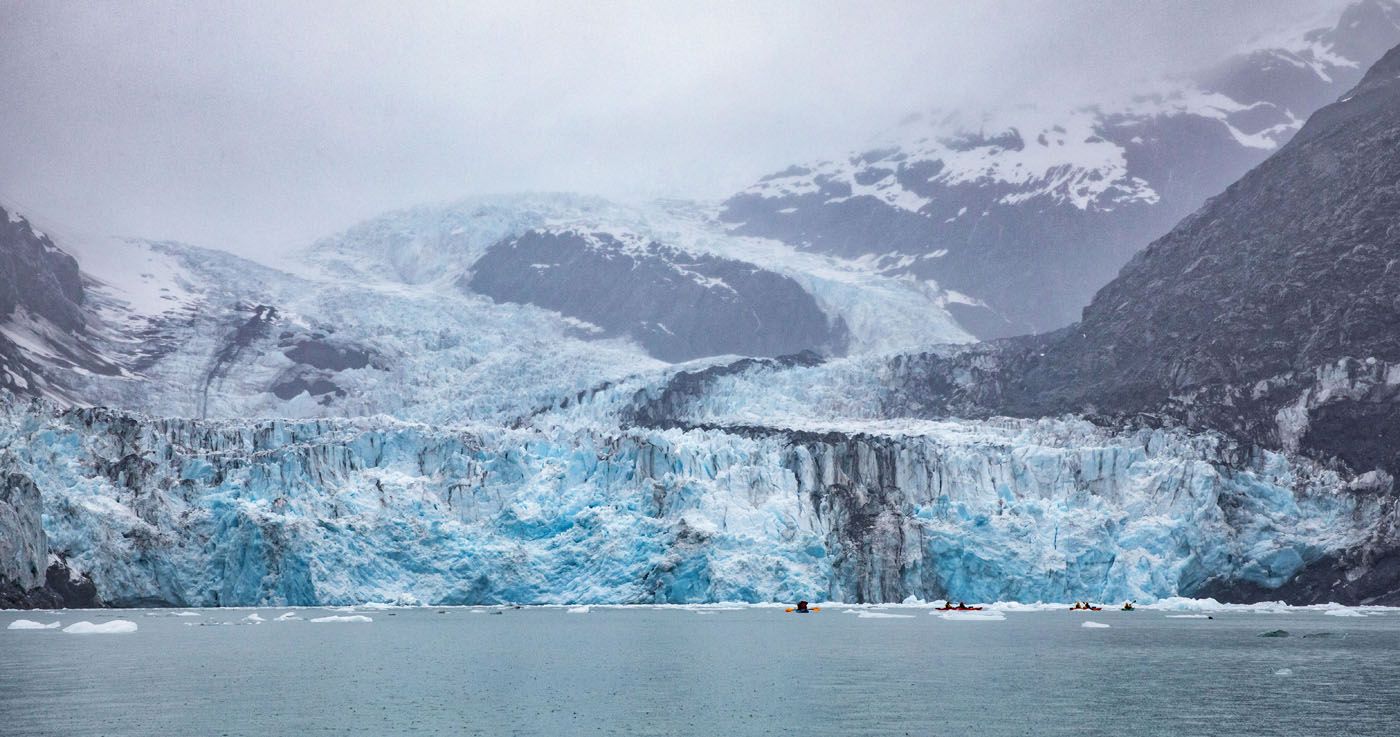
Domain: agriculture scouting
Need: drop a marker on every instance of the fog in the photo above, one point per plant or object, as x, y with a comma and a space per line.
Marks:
254, 127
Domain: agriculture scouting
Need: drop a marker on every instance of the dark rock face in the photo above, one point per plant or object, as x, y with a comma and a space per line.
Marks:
324, 355
60, 590
677, 305
1272, 315
318, 358
1034, 253
36, 275
1294, 268
43, 282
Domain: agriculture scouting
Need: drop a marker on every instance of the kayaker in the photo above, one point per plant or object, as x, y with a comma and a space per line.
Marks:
802, 607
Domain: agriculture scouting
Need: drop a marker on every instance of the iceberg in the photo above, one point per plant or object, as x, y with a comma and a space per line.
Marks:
29, 624
114, 627
1095, 626
342, 618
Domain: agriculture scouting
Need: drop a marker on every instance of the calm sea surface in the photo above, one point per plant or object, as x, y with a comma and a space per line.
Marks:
642, 671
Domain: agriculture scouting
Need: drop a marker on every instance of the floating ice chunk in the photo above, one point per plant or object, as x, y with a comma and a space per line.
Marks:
254, 617
579, 609
29, 624
377, 606
883, 615
287, 617
347, 618
1095, 626
1343, 613
1284, 672
992, 616
114, 627
185, 614
1188, 616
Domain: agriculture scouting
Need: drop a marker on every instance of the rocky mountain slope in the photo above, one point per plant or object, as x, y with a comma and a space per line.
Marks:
1221, 422
678, 306
1026, 212
44, 322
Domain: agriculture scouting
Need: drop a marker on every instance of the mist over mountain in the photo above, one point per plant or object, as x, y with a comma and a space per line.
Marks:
1025, 211
774, 395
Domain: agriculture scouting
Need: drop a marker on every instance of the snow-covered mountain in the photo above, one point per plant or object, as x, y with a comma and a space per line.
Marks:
465, 426
1024, 212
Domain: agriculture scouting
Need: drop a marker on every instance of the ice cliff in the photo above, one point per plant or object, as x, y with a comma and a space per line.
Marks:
338, 511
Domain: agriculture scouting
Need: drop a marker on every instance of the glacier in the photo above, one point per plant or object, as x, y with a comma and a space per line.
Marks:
342, 511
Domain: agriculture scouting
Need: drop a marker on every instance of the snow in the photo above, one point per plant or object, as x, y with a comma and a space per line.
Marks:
114, 627
1095, 626
29, 624
342, 618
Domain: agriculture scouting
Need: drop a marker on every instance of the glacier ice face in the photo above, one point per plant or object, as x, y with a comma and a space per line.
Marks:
205, 334
344, 511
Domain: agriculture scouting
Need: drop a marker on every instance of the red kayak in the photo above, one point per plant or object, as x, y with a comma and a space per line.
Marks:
958, 609
1086, 609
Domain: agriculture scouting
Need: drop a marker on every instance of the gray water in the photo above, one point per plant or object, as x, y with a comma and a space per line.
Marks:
641, 671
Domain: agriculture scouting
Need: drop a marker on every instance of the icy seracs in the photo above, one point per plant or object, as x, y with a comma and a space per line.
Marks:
196, 513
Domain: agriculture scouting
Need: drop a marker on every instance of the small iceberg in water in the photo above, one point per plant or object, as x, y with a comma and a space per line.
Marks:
579, 609
29, 624
114, 627
1095, 626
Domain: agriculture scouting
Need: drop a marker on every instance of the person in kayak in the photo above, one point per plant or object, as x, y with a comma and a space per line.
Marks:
802, 607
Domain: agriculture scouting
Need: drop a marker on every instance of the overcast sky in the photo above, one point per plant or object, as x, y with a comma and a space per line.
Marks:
257, 126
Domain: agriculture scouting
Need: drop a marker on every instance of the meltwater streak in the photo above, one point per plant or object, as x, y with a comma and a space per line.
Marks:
749, 671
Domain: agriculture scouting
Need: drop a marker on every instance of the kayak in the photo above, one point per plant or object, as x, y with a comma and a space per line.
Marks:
810, 610
958, 609
1088, 609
